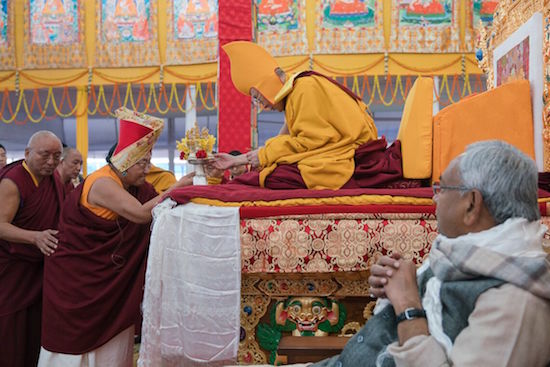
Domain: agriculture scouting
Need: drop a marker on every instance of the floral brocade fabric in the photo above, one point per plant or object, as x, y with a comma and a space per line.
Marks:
332, 242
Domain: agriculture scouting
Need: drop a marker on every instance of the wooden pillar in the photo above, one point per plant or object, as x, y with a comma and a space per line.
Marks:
82, 126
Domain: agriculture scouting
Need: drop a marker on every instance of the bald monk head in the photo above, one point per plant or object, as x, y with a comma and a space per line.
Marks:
43, 153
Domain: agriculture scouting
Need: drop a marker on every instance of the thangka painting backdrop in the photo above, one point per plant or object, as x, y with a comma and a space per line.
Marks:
7, 54
126, 33
54, 34
349, 26
479, 14
192, 35
484, 11
281, 26
513, 65
425, 25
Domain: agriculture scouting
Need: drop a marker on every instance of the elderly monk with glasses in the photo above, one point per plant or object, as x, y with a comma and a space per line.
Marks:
30, 200
324, 121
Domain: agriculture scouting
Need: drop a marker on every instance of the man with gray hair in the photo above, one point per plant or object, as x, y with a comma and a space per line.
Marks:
68, 169
482, 298
31, 197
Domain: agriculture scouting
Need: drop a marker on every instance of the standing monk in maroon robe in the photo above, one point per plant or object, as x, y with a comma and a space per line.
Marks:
3, 156
93, 284
30, 198
69, 169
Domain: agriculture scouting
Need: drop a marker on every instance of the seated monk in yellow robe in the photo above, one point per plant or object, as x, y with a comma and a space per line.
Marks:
161, 179
325, 122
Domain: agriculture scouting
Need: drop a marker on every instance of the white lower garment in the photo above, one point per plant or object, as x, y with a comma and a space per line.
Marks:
117, 352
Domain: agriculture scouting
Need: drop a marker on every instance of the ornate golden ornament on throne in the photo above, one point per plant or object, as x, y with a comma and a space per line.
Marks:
350, 329
368, 311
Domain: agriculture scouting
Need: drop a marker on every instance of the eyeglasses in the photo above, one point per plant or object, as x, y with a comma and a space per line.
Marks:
437, 187
45, 155
259, 101
143, 164
256, 101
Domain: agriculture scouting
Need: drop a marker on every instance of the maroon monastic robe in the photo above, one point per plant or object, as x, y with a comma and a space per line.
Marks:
93, 284
67, 187
21, 267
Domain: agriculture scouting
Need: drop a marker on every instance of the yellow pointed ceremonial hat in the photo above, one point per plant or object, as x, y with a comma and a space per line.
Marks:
253, 66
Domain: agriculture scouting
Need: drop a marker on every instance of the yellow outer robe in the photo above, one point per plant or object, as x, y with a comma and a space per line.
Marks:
325, 127
160, 179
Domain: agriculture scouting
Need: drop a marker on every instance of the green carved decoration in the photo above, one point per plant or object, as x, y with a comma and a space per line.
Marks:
302, 316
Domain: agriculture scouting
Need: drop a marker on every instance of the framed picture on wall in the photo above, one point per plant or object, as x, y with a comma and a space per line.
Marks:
520, 57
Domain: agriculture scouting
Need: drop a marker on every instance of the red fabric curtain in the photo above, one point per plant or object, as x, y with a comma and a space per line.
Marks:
235, 24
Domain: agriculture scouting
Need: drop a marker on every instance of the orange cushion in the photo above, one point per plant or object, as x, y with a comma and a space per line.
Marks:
502, 113
415, 130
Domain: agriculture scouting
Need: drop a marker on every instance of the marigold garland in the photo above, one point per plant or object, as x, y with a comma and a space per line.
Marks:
158, 99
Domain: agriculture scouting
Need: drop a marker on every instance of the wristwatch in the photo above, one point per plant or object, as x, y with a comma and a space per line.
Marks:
410, 313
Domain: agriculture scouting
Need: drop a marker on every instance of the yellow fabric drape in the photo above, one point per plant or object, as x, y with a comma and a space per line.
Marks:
387, 21
162, 24
339, 200
373, 64
89, 31
310, 24
82, 126
7, 49
30, 79
334, 65
462, 22
19, 31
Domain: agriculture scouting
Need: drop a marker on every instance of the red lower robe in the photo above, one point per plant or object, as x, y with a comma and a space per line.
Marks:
93, 284
21, 267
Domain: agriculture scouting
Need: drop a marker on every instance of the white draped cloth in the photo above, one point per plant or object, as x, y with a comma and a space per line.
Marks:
191, 303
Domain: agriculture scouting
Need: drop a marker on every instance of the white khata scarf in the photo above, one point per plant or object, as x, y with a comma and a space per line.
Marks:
511, 251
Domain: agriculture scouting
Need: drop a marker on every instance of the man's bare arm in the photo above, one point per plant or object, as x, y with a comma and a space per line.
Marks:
9, 197
106, 193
